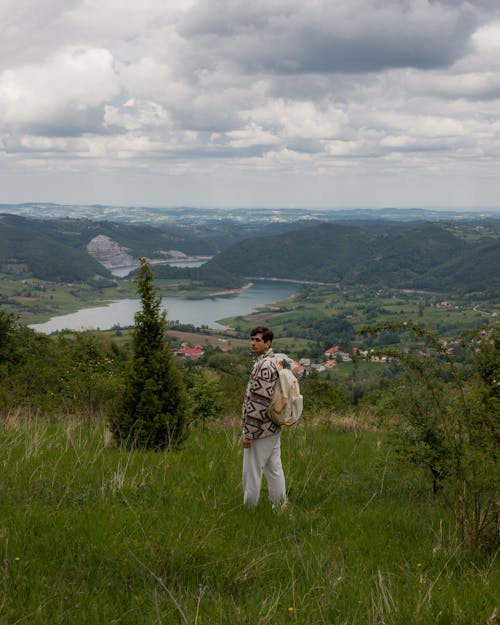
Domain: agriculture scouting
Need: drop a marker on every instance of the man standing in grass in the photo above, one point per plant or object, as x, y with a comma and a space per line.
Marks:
261, 437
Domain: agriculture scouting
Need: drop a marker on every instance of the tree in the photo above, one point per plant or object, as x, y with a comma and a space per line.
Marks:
152, 412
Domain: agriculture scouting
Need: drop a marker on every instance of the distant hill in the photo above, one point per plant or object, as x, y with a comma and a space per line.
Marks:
195, 216
47, 252
435, 256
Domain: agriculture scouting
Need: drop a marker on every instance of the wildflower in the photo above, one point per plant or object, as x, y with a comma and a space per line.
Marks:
291, 609
419, 564
17, 558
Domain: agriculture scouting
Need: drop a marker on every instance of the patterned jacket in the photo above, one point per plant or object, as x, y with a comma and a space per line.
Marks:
260, 389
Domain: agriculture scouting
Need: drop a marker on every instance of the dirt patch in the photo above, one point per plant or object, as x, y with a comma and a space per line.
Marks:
263, 316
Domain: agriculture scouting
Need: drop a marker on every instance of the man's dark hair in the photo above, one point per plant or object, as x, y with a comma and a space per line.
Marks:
267, 334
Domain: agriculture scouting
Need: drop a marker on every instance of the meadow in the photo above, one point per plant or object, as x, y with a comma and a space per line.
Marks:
93, 534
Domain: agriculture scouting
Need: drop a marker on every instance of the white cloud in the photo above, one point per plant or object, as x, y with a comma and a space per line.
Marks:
65, 94
302, 120
134, 115
486, 39
251, 136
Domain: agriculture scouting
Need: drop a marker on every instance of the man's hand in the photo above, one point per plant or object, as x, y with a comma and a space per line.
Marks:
247, 442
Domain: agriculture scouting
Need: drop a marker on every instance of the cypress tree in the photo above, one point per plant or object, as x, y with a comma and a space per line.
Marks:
153, 409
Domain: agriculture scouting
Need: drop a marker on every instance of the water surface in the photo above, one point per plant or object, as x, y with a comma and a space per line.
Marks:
206, 311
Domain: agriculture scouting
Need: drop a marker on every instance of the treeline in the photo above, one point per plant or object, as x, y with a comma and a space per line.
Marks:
32, 247
216, 277
322, 328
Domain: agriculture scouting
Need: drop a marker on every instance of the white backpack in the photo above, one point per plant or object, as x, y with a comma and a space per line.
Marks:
287, 402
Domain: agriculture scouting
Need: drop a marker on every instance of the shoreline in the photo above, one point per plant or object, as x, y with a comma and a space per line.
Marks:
337, 284
231, 291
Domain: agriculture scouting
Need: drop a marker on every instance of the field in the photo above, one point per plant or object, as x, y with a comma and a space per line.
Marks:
97, 535
364, 306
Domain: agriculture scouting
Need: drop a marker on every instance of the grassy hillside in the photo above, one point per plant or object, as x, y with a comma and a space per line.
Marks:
92, 534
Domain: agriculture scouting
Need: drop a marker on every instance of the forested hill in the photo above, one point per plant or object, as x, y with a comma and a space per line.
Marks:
433, 256
57, 249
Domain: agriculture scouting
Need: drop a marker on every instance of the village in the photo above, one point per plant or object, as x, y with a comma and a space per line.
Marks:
334, 356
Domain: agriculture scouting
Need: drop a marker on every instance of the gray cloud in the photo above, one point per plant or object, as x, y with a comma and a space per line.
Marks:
359, 36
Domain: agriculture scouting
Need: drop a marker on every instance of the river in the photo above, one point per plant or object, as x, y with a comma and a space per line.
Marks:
205, 311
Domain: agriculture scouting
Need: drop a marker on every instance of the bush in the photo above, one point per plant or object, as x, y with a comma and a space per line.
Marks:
320, 395
446, 418
71, 372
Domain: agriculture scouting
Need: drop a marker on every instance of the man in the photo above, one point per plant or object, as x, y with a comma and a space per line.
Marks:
261, 437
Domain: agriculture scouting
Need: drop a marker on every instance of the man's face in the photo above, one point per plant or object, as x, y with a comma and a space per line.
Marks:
259, 346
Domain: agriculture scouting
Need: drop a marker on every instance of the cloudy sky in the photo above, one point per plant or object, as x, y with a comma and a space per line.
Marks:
319, 103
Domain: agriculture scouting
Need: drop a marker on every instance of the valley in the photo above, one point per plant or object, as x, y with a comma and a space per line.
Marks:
349, 274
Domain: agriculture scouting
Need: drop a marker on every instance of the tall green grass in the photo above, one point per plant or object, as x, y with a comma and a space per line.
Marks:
97, 535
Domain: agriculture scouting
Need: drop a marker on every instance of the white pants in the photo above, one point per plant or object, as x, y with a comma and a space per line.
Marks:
263, 457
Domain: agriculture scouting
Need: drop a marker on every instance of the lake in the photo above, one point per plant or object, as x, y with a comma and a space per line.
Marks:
204, 311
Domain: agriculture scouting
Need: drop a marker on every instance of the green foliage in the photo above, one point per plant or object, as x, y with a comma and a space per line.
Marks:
90, 372
15, 342
232, 370
152, 412
447, 421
